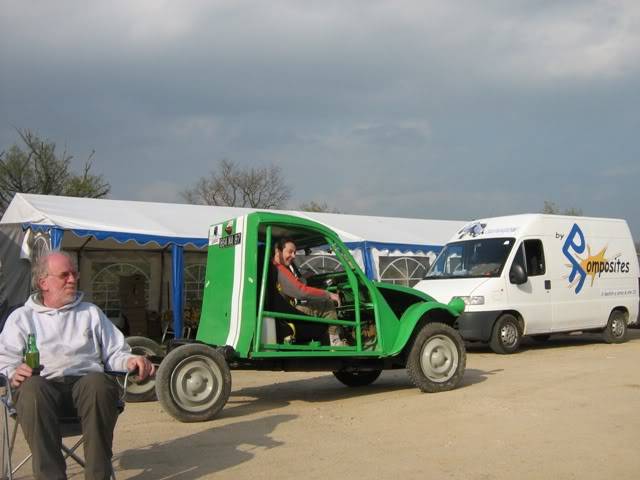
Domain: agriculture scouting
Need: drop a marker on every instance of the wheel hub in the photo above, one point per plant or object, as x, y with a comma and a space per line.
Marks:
617, 327
509, 335
196, 383
439, 358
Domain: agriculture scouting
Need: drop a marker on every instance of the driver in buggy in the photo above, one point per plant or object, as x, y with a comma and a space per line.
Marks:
291, 292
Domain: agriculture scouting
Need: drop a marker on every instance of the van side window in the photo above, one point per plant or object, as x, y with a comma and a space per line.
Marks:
535, 257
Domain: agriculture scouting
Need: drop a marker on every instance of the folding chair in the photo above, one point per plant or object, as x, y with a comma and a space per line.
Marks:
70, 426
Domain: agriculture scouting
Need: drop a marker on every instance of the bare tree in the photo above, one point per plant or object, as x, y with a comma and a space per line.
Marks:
37, 168
233, 186
314, 206
553, 209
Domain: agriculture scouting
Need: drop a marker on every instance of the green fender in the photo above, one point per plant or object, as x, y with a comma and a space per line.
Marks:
415, 312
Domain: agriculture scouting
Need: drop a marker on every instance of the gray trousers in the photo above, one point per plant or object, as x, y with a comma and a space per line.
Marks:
41, 402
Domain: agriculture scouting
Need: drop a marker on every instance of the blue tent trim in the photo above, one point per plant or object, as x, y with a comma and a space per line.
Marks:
401, 247
120, 237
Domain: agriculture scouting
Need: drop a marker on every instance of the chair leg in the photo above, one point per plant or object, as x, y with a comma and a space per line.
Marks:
6, 451
166, 331
70, 452
186, 332
10, 469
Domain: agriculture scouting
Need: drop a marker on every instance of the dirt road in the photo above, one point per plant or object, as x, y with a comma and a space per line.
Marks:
568, 409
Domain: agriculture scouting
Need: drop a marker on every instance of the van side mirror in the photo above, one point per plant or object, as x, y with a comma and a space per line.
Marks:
517, 275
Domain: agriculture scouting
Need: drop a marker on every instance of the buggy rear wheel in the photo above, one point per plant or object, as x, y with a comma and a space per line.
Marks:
357, 379
142, 391
193, 383
437, 358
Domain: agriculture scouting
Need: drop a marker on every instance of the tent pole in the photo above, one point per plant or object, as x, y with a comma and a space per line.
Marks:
56, 234
177, 264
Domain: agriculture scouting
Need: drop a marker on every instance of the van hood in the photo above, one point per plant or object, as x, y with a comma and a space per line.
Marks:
443, 290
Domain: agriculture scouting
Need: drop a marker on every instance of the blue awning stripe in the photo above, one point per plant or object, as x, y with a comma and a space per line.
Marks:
123, 237
163, 241
401, 247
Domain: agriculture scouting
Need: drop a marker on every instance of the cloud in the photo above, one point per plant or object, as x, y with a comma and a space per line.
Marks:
159, 191
419, 108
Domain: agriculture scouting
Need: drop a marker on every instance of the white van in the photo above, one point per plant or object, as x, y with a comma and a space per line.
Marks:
536, 275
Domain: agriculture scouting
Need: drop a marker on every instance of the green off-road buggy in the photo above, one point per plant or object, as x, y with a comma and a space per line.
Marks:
241, 327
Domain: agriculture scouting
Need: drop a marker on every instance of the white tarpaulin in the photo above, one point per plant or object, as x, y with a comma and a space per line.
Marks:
156, 235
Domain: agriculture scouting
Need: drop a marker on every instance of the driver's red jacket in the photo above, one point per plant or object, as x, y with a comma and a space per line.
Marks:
290, 287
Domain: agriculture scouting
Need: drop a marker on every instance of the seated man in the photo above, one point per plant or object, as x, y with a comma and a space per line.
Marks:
77, 343
320, 303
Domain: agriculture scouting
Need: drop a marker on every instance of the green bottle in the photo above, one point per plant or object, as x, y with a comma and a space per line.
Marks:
32, 355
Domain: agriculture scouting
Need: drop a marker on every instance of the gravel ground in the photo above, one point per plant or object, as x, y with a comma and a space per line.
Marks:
565, 409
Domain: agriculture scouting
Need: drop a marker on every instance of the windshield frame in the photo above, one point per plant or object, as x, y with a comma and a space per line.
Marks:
465, 255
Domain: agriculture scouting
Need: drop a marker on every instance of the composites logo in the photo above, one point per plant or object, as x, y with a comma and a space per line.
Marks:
591, 265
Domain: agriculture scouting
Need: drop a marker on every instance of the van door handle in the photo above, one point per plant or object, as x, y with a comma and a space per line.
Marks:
547, 284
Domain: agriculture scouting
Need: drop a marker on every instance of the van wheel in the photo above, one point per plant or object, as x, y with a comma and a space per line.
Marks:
193, 383
616, 329
506, 335
357, 379
437, 358
144, 391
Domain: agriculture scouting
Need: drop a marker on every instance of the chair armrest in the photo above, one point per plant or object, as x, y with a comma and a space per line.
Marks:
6, 394
125, 383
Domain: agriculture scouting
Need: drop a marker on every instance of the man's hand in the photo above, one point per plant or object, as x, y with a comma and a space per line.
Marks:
23, 372
143, 365
335, 298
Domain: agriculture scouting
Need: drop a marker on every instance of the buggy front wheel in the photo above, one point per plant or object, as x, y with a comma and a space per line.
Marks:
437, 359
193, 383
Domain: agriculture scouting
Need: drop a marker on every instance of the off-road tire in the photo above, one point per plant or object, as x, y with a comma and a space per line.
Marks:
193, 383
506, 335
616, 330
144, 391
358, 379
437, 358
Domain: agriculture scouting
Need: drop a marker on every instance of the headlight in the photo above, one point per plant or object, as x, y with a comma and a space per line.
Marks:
473, 300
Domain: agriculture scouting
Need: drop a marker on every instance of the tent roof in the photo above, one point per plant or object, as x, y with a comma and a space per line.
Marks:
164, 223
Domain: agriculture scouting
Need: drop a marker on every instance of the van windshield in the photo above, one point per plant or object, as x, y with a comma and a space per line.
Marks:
472, 258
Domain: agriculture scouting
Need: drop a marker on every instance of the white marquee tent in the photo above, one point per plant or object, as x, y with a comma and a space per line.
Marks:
97, 229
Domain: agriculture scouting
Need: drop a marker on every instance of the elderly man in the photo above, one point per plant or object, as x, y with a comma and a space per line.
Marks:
77, 343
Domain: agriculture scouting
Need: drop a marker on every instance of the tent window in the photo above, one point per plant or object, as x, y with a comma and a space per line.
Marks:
40, 245
106, 282
194, 285
317, 264
405, 271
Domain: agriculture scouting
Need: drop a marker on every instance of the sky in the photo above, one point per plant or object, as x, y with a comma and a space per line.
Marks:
426, 109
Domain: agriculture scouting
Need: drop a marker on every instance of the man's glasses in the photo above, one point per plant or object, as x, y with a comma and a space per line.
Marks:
65, 275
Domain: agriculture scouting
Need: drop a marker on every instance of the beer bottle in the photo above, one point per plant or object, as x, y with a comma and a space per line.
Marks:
32, 355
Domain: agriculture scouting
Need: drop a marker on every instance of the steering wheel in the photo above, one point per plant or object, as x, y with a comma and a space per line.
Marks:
342, 297
325, 279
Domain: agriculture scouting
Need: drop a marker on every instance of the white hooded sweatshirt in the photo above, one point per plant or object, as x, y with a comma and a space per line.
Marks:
73, 340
